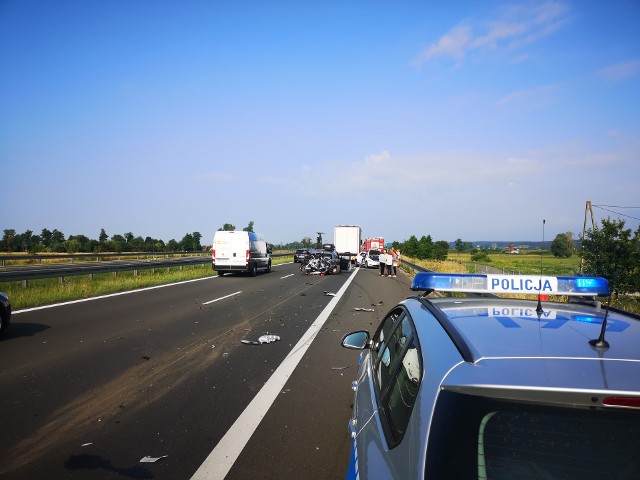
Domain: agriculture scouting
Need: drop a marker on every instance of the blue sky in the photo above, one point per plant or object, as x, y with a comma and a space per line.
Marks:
473, 121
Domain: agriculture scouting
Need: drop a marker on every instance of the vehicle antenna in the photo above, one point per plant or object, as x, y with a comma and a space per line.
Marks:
539, 307
600, 342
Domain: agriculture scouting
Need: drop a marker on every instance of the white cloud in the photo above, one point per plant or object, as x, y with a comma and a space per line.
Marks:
437, 171
621, 71
454, 45
537, 96
516, 26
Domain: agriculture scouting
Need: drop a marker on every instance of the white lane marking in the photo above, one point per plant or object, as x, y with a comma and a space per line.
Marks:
287, 276
221, 298
71, 302
219, 462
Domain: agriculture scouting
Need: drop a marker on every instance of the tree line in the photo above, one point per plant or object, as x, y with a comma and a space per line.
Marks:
56, 242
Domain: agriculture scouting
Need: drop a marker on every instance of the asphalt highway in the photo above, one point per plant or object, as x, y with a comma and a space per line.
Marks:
89, 389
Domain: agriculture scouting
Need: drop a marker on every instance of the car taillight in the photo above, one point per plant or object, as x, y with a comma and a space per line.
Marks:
629, 402
213, 253
248, 255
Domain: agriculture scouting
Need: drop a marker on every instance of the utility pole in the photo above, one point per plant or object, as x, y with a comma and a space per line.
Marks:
587, 209
319, 240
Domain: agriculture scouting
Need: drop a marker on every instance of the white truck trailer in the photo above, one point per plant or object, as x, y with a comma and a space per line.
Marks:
347, 239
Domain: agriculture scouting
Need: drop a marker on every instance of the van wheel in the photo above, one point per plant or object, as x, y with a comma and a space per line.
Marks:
220, 273
269, 266
253, 270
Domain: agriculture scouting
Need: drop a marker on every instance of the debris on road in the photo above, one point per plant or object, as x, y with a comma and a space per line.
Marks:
361, 309
262, 339
339, 368
329, 294
148, 459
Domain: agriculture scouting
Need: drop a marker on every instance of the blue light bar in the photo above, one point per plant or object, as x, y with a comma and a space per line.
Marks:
522, 284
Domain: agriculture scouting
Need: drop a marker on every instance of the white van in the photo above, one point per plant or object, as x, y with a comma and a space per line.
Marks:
240, 251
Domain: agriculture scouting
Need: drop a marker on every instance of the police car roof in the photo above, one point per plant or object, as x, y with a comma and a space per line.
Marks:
512, 328
511, 345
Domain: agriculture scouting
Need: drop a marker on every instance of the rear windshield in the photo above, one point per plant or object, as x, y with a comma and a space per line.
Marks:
374, 252
474, 437
302, 251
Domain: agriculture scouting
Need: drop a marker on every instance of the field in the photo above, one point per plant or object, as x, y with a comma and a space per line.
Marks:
526, 264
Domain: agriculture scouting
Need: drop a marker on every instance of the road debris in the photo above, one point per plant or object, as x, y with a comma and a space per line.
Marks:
361, 309
262, 339
329, 294
339, 368
148, 459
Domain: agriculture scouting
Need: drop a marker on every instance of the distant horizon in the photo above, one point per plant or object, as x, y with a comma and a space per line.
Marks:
325, 239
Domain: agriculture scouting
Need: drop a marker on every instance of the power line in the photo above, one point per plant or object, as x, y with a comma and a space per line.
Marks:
615, 206
601, 207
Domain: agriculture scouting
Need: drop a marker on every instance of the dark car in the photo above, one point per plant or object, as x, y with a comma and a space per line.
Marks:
301, 255
487, 387
334, 258
5, 312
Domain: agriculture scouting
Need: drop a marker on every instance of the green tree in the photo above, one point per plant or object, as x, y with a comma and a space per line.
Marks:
611, 252
249, 228
197, 246
480, 255
136, 244
84, 243
440, 250
72, 245
563, 245
117, 243
103, 236
187, 243
8, 239
57, 241
46, 238
425, 247
410, 247
227, 227
461, 246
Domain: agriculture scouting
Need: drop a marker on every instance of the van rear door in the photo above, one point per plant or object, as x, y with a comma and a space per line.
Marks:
231, 249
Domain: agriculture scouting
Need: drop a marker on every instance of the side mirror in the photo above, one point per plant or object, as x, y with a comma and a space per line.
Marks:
356, 340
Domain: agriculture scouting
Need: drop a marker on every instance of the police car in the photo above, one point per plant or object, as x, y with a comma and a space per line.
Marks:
485, 387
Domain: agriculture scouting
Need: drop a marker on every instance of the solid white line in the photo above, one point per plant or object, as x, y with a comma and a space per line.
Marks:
71, 302
221, 298
221, 459
286, 276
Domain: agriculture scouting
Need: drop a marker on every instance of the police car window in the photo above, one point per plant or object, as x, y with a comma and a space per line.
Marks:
398, 376
389, 353
383, 333
403, 391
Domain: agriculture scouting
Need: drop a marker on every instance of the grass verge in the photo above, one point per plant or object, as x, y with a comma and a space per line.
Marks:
49, 291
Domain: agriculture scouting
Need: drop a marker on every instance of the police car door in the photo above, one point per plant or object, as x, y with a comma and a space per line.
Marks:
385, 398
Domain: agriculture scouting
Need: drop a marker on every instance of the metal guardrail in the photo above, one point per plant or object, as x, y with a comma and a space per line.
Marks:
25, 273
414, 266
98, 256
